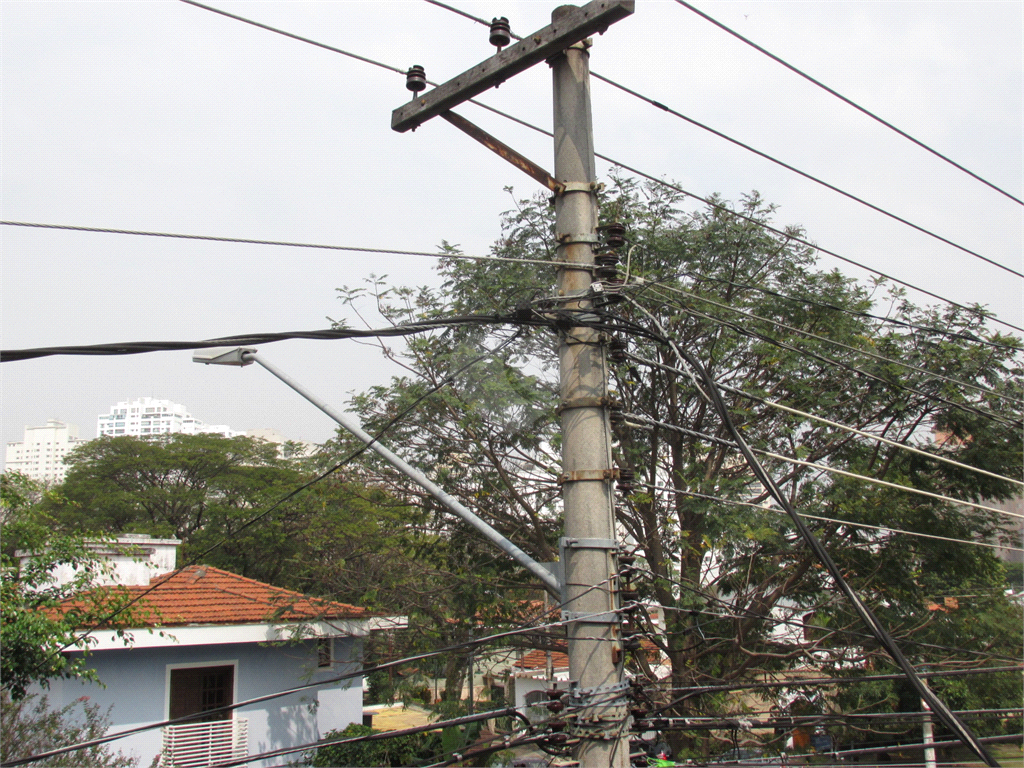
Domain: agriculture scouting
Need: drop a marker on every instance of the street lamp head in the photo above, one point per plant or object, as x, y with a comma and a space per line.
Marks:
225, 356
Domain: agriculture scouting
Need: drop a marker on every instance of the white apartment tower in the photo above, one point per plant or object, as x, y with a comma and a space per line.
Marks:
146, 417
40, 454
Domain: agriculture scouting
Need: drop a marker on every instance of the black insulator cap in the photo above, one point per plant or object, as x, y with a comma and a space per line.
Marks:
501, 33
555, 706
606, 259
416, 78
554, 693
606, 274
617, 350
615, 235
629, 595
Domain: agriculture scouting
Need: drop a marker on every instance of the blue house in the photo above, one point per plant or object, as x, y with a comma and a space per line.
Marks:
213, 639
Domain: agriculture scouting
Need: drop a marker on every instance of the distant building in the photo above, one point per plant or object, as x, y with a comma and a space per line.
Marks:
146, 416
40, 454
286, 449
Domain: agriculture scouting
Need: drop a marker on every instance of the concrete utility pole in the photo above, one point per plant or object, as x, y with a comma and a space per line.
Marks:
595, 657
596, 702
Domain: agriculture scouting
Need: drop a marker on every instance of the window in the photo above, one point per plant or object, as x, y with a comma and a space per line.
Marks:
195, 690
324, 655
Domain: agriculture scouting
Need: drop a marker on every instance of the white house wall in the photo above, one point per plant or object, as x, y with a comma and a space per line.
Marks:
136, 693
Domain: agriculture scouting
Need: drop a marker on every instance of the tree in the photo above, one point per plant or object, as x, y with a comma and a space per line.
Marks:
734, 582
201, 489
29, 727
398, 750
36, 624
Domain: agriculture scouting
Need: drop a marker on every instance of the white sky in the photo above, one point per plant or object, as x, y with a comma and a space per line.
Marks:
162, 116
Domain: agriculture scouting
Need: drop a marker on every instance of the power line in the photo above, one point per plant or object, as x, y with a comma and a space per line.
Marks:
841, 345
296, 689
810, 682
351, 55
806, 175
249, 241
799, 624
857, 313
656, 180
852, 103
826, 468
969, 739
291, 494
657, 104
763, 508
141, 347
802, 241
846, 366
837, 425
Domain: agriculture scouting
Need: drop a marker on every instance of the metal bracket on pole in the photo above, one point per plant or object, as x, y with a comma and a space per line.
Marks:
588, 402
581, 186
578, 696
608, 617
566, 543
572, 239
593, 719
588, 474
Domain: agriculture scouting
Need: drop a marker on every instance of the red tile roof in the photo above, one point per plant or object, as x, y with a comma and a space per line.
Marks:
538, 659
200, 594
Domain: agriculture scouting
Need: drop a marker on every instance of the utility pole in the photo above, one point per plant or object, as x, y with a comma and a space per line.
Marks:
596, 704
589, 551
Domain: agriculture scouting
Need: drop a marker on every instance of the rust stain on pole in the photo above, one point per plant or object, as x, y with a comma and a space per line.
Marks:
504, 151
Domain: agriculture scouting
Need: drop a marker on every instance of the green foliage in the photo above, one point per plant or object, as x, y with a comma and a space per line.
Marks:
33, 631
28, 727
1015, 576
169, 484
721, 572
392, 751
380, 688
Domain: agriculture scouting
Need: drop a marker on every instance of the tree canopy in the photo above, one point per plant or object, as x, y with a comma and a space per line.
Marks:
34, 627
740, 596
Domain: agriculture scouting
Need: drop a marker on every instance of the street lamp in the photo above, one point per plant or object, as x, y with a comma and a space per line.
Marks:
242, 356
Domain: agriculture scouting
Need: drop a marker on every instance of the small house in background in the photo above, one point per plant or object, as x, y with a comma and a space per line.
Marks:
214, 638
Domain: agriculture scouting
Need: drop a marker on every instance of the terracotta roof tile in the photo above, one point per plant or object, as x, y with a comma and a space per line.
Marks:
538, 659
200, 594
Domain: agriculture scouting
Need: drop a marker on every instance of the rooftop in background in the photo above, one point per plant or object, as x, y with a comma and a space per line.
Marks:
201, 594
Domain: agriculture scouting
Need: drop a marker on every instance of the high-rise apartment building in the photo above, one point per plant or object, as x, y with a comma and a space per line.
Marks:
40, 454
146, 417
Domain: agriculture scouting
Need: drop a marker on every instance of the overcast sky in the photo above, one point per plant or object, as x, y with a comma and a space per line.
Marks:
162, 116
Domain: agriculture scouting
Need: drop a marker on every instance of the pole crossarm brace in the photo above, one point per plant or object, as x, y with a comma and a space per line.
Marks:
504, 151
574, 26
